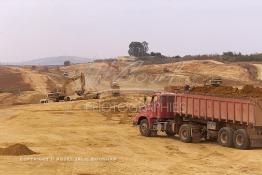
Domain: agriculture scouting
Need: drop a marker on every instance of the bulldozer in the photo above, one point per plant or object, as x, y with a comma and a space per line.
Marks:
213, 81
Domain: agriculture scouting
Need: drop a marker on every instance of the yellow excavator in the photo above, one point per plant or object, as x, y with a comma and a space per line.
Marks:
62, 95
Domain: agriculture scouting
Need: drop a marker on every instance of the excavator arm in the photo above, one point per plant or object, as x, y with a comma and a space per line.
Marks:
72, 79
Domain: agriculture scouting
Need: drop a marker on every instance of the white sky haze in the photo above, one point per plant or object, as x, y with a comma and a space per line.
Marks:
31, 29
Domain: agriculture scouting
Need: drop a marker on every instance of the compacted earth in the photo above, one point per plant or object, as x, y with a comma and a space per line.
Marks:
78, 138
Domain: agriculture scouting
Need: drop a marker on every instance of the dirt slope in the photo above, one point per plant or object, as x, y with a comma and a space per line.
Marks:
132, 75
203, 69
259, 71
40, 81
23, 85
65, 130
11, 79
158, 76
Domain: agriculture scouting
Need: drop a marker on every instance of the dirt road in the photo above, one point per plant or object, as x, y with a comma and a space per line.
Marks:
68, 130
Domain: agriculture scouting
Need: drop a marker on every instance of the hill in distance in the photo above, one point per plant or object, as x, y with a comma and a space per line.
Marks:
56, 60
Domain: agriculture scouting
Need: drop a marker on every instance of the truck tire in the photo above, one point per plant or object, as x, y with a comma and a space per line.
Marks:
67, 99
241, 139
185, 133
144, 128
225, 137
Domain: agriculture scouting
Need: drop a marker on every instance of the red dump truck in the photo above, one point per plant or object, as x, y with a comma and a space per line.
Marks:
233, 122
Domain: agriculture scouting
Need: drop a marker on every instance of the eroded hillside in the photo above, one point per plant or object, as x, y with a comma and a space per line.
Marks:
29, 84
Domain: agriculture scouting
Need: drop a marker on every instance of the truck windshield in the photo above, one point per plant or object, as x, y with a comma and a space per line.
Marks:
154, 99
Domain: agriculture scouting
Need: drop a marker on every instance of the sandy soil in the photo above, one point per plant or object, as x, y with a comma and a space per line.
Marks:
26, 97
259, 71
61, 130
100, 75
131, 75
38, 81
11, 78
216, 62
33, 85
135, 75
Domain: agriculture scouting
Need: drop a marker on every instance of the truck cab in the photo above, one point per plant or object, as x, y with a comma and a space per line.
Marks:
159, 109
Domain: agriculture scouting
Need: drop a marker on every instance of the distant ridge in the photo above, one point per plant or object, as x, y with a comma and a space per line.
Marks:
55, 60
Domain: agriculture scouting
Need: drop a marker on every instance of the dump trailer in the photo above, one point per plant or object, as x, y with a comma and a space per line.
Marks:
115, 89
233, 122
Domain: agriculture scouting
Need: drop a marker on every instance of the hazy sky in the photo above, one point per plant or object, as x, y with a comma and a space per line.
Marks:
31, 29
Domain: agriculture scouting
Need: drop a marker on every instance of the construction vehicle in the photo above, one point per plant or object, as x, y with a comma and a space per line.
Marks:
44, 100
213, 81
115, 89
233, 122
113, 83
62, 95
66, 74
55, 96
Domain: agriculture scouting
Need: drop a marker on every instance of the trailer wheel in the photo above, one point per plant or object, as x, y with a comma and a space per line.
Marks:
225, 137
67, 99
144, 128
241, 139
185, 133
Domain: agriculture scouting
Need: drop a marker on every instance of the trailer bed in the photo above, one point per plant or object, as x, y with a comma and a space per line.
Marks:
231, 110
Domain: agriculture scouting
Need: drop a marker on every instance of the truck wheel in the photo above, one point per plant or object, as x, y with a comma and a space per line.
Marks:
225, 137
185, 133
144, 128
67, 99
241, 139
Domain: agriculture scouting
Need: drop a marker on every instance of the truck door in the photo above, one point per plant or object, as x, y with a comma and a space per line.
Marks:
166, 107
154, 106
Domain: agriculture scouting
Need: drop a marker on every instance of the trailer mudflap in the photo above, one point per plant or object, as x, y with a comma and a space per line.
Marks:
255, 136
256, 141
195, 134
